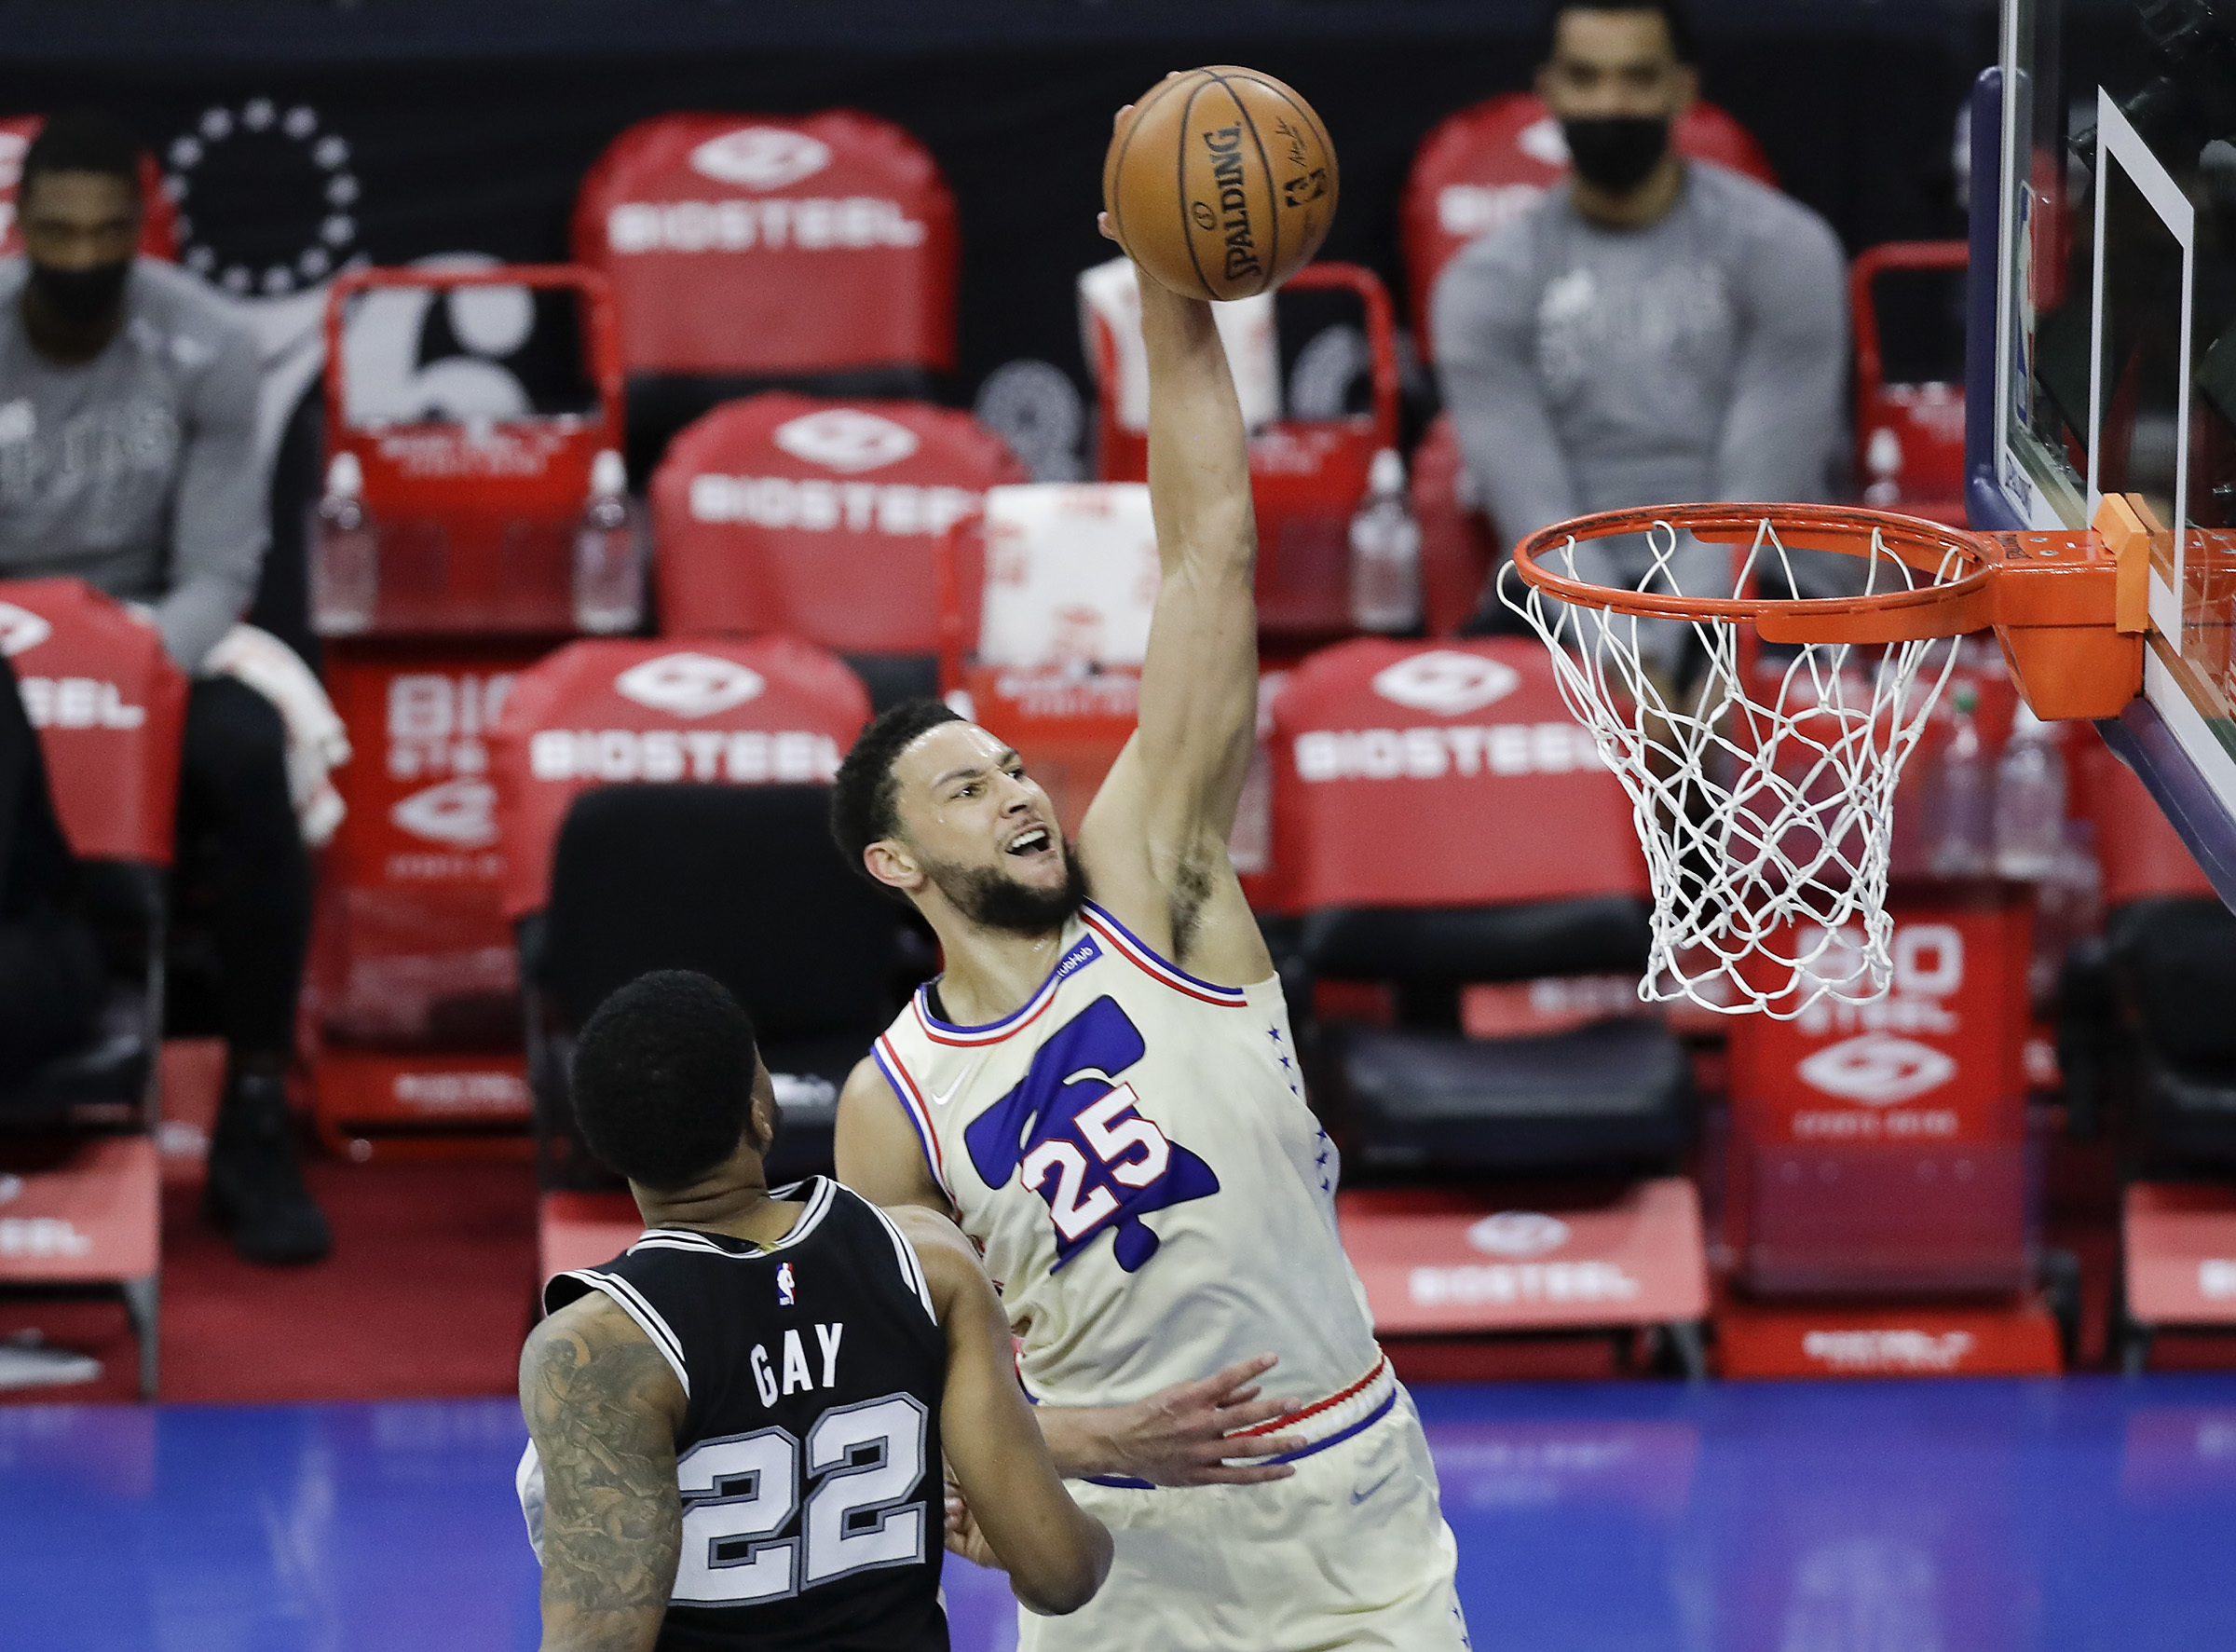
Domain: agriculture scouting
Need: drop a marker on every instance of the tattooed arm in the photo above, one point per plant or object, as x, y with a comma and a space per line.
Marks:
603, 1406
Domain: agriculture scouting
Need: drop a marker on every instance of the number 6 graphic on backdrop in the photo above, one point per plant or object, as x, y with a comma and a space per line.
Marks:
1074, 1132
740, 1492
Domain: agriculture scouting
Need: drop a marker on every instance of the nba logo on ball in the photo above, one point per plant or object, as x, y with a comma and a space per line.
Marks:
783, 1285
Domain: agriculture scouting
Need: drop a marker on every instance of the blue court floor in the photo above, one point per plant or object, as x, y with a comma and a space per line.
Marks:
1956, 1516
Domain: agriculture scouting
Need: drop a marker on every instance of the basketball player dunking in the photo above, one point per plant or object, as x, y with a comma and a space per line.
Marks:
1103, 1094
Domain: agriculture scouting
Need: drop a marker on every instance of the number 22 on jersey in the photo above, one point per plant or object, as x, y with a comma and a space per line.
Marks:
740, 1492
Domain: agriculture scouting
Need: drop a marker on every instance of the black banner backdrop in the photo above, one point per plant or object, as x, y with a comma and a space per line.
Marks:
306, 138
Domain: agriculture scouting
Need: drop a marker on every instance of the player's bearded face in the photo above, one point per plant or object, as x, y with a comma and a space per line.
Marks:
984, 833
994, 898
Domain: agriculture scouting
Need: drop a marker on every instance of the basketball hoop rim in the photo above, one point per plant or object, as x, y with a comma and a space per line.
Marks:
1947, 608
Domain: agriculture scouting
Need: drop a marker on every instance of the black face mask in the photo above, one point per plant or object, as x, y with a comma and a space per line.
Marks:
1616, 152
81, 297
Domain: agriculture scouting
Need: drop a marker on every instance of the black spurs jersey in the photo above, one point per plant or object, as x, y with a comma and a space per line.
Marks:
809, 1455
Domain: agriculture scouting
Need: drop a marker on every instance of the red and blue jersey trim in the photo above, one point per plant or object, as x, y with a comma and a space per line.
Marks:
1136, 952
1076, 957
1284, 1424
913, 1105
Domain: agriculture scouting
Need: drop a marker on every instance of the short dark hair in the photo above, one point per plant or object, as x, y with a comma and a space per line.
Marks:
664, 1077
82, 140
863, 807
1672, 14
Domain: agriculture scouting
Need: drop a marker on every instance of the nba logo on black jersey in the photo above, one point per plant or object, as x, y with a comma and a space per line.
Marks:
784, 1286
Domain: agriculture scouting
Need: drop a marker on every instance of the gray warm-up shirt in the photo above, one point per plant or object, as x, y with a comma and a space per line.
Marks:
1699, 358
137, 472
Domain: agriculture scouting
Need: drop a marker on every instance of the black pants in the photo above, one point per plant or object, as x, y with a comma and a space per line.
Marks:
239, 844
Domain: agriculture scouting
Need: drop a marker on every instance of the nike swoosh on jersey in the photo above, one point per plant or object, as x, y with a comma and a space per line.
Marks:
1358, 1497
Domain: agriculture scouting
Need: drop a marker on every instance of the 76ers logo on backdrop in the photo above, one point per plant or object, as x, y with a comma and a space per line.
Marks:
1071, 1128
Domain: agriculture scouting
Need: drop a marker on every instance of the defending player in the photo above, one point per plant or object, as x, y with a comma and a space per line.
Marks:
1104, 1095
737, 1423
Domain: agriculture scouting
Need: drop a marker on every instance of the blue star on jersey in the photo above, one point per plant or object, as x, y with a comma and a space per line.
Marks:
1071, 1128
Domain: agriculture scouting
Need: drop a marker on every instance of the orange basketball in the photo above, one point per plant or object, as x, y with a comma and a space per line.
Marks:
1221, 182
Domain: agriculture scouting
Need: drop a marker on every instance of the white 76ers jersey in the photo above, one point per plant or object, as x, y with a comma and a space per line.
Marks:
1131, 1152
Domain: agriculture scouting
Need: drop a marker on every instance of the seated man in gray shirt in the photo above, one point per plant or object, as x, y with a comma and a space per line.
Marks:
128, 458
1660, 331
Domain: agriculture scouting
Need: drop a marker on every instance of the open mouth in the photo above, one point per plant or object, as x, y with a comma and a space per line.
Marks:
1032, 841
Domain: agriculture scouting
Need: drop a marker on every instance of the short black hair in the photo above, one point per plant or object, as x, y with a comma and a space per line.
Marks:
862, 806
664, 1077
1672, 14
82, 140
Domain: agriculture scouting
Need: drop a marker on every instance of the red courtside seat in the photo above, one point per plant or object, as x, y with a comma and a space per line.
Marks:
760, 711
109, 706
1479, 167
620, 747
822, 520
1395, 760
159, 223
1449, 837
1307, 476
748, 251
473, 522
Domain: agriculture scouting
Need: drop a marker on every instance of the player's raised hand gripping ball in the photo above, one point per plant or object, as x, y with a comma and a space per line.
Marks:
1220, 182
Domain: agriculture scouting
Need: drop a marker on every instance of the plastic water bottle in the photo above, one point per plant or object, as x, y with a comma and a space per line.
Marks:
1882, 458
1386, 552
344, 558
2030, 800
609, 554
1960, 815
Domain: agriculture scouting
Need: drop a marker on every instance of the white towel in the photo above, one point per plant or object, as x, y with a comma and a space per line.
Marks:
316, 743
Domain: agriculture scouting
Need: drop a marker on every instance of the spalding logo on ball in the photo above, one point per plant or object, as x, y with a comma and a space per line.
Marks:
1221, 182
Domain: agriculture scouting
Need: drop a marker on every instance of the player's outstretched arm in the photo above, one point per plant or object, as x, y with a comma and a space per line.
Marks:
1154, 842
601, 1406
1183, 1435
1056, 1555
878, 1151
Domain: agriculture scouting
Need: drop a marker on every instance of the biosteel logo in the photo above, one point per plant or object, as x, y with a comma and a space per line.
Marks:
814, 505
1512, 1283
855, 223
760, 157
845, 438
1454, 748
689, 685
743, 756
1888, 1350
78, 702
1447, 682
1877, 1069
461, 813
1519, 1233
21, 629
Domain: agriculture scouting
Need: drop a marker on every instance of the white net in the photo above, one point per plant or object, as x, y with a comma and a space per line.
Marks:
1764, 792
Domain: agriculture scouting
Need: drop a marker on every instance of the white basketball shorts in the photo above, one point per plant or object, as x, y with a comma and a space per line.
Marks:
1352, 1550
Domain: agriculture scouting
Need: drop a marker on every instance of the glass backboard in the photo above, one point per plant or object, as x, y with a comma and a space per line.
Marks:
2113, 194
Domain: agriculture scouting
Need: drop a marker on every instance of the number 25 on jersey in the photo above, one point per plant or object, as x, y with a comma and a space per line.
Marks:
1071, 1128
